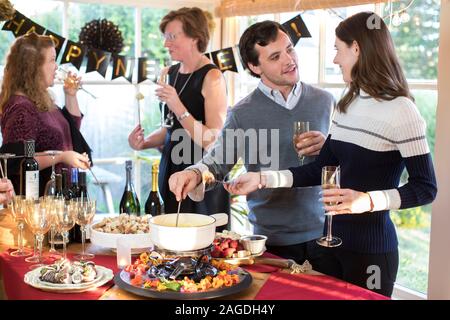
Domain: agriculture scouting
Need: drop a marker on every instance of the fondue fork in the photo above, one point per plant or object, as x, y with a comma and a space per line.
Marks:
178, 213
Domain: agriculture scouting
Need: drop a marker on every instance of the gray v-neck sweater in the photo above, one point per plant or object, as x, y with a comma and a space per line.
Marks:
260, 132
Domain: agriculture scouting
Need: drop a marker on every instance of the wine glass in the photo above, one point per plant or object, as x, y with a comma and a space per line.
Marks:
50, 186
167, 120
65, 220
331, 177
50, 203
299, 128
18, 210
38, 220
84, 211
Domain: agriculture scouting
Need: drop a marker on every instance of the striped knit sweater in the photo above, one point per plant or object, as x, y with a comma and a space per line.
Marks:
373, 142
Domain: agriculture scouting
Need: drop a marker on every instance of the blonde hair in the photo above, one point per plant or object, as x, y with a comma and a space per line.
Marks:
197, 24
23, 72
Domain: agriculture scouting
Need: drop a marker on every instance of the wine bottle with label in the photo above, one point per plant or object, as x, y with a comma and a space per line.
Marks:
29, 172
75, 232
129, 202
154, 204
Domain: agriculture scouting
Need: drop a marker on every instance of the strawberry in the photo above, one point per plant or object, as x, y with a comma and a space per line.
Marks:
229, 252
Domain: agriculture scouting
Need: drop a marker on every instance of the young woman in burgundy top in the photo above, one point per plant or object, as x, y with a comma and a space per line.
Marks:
28, 111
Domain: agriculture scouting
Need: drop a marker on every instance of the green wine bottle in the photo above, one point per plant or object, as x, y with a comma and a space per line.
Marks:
154, 203
129, 203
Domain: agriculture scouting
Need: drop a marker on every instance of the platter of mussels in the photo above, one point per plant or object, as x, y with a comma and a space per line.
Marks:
165, 274
65, 276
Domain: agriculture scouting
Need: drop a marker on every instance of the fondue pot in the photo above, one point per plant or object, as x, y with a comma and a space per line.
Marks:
194, 231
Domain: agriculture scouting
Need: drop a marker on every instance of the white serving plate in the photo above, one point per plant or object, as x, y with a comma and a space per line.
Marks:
103, 276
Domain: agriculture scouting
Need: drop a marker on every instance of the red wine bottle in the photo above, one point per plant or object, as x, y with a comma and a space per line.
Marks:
29, 172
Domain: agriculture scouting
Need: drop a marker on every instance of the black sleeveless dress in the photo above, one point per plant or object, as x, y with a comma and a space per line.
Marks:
180, 151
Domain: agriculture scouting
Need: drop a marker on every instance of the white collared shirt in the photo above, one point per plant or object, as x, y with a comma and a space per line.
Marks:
277, 97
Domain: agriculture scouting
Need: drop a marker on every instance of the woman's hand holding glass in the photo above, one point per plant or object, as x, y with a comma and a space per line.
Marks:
72, 83
346, 201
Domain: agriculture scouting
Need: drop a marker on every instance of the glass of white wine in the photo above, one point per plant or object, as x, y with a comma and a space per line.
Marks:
331, 177
299, 128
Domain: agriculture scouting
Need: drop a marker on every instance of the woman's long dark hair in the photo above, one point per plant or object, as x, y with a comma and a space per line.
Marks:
377, 71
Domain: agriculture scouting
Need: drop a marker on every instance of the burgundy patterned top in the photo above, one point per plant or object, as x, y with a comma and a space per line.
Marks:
21, 120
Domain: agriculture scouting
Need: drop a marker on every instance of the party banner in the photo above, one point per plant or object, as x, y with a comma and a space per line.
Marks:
147, 68
57, 40
74, 54
98, 60
123, 66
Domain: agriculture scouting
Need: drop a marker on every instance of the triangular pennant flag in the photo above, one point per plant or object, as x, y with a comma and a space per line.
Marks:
74, 54
297, 29
123, 67
224, 60
57, 39
20, 25
98, 60
142, 69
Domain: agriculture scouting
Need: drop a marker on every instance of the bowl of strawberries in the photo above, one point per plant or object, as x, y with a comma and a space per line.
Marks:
229, 246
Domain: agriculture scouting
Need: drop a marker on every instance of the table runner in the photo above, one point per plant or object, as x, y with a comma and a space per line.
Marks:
13, 270
286, 286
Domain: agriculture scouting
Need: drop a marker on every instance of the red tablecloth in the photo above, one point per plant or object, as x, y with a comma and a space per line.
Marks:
286, 286
13, 270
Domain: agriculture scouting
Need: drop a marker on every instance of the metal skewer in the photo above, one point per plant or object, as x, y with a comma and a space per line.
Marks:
178, 213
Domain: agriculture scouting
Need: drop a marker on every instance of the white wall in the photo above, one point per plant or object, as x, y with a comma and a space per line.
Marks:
439, 272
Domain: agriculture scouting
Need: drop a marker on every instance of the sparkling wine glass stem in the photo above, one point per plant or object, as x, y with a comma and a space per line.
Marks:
83, 240
40, 239
52, 239
53, 168
20, 227
65, 238
329, 221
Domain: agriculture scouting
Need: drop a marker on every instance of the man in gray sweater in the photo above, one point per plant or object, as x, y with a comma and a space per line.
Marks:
259, 130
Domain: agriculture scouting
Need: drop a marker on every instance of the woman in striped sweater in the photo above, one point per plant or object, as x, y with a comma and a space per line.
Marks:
376, 133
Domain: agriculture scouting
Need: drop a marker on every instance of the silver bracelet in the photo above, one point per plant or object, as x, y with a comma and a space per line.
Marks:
184, 115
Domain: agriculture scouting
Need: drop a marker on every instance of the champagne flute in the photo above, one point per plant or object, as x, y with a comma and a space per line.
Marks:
331, 177
65, 220
167, 120
299, 128
38, 220
84, 211
18, 211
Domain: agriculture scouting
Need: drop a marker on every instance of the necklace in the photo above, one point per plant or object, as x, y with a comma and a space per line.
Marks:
169, 121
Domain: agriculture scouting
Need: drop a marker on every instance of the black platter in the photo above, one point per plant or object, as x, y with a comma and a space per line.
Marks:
122, 280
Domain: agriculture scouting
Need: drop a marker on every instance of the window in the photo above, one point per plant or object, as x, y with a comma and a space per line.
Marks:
110, 117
